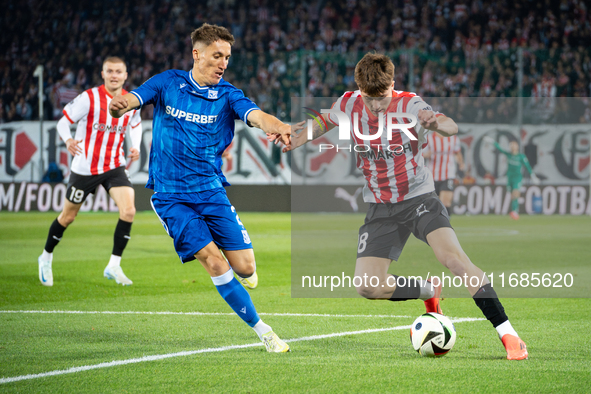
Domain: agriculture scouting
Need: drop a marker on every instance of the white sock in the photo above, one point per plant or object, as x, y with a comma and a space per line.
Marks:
427, 290
261, 328
46, 256
114, 262
506, 328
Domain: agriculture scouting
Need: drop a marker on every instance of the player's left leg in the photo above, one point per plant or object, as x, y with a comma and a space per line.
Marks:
206, 222
375, 283
124, 197
446, 195
381, 240
514, 185
54, 236
448, 251
515, 195
234, 293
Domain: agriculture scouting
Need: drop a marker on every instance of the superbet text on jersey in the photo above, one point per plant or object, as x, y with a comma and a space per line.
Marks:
102, 136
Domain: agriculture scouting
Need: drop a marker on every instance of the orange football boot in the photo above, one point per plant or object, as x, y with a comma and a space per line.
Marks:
432, 304
516, 349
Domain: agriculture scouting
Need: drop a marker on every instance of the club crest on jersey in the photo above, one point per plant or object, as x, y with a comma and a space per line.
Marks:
182, 85
212, 94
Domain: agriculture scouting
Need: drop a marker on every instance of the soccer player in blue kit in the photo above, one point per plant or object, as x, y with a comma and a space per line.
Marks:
194, 113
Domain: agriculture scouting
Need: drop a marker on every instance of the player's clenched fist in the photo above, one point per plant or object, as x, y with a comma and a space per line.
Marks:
118, 106
134, 155
427, 119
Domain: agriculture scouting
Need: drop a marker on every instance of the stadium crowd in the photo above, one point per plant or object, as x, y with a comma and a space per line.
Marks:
464, 48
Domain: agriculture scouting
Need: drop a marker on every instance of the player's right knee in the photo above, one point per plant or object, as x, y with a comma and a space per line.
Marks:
127, 214
66, 219
367, 292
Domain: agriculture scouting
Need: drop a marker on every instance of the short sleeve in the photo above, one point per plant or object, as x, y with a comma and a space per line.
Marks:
416, 104
149, 91
77, 108
241, 105
332, 117
136, 118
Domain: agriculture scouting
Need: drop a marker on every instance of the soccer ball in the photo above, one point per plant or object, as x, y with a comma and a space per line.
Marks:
432, 335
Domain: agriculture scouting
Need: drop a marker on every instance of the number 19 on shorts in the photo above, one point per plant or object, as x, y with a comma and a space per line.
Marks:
76, 195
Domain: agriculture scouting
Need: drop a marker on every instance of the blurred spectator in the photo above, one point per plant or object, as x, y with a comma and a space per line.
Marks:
23, 109
462, 48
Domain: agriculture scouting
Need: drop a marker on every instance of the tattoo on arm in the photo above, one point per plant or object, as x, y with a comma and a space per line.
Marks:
317, 130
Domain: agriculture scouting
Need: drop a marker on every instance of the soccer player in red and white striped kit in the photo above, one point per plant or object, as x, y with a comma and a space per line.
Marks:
444, 158
400, 192
98, 160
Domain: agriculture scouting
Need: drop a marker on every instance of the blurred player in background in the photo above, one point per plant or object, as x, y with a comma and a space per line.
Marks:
98, 160
194, 114
402, 200
515, 161
444, 159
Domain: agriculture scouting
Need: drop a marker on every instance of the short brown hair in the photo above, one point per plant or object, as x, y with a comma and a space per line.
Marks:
208, 34
114, 59
374, 74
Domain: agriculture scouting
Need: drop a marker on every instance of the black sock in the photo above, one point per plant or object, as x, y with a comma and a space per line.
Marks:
121, 237
487, 300
56, 231
406, 289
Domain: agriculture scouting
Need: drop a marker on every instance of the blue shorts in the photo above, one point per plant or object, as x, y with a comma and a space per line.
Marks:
193, 220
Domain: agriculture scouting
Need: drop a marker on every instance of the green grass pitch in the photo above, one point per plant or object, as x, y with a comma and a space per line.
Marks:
557, 330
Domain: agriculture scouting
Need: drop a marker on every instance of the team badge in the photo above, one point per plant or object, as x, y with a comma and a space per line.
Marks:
212, 94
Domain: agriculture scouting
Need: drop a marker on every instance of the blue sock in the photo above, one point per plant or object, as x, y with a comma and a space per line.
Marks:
237, 297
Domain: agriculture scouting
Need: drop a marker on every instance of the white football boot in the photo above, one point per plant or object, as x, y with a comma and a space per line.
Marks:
117, 274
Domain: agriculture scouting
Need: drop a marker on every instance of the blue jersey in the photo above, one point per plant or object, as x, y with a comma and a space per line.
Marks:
192, 127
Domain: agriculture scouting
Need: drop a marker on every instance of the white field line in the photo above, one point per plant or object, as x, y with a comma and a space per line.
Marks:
207, 350
195, 313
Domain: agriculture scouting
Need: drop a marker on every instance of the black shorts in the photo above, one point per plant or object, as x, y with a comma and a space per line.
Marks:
444, 186
388, 226
80, 186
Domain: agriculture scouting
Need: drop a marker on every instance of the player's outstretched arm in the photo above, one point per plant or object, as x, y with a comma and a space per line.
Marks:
299, 136
489, 139
122, 104
271, 125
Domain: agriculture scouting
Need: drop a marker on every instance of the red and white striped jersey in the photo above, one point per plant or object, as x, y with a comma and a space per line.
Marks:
394, 170
102, 136
442, 162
